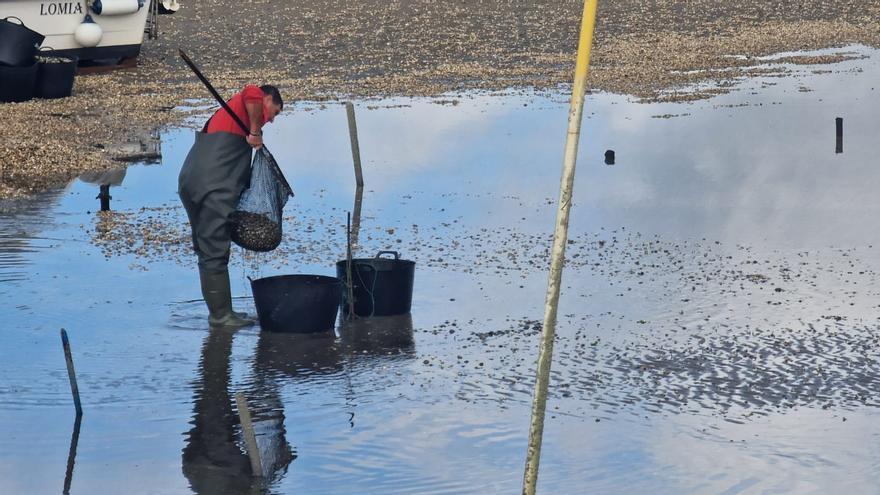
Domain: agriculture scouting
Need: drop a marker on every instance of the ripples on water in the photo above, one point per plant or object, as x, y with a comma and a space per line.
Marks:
717, 333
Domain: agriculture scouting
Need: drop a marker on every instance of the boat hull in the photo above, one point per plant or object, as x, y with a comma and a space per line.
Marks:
56, 20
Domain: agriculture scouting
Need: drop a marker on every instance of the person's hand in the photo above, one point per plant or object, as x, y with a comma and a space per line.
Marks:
254, 141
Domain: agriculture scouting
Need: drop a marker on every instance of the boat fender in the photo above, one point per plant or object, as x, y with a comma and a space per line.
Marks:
168, 6
116, 7
88, 33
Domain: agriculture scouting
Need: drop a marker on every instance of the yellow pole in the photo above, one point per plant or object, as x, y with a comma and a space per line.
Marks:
560, 238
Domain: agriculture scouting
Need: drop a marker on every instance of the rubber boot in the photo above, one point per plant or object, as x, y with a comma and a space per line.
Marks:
218, 297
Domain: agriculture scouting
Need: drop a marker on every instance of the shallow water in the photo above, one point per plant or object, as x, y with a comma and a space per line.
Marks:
718, 323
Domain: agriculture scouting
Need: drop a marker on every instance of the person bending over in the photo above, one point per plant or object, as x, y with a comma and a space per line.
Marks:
213, 176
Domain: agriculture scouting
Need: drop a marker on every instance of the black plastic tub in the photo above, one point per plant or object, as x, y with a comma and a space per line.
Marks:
18, 43
380, 286
17, 83
297, 303
55, 75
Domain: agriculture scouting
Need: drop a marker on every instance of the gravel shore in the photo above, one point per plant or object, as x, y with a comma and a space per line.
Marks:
329, 49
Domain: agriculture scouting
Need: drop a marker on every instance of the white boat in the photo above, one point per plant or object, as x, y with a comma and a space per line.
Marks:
121, 24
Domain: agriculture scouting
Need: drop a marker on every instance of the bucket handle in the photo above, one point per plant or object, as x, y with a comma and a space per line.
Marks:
20, 22
47, 51
395, 253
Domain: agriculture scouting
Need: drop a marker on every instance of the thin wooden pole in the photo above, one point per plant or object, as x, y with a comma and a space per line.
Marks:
71, 373
356, 216
355, 147
250, 439
560, 238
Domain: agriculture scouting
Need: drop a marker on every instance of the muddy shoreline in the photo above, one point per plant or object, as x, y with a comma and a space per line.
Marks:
330, 50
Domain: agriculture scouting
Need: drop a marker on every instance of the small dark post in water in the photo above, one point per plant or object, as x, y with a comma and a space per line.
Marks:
105, 197
839, 124
609, 157
355, 147
71, 373
71, 455
250, 439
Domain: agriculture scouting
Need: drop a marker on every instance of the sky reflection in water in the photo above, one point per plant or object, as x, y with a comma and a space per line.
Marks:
681, 246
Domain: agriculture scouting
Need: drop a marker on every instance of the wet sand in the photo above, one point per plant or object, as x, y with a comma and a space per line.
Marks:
326, 50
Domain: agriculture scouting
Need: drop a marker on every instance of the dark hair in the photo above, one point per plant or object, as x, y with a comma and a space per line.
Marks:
268, 89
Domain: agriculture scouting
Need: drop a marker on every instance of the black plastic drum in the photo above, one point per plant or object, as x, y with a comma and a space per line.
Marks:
380, 286
297, 303
55, 75
17, 83
18, 43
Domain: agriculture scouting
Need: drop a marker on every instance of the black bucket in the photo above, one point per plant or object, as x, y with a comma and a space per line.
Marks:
55, 75
18, 43
380, 286
297, 303
17, 83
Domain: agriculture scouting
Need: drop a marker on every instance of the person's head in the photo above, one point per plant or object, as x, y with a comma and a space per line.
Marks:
272, 101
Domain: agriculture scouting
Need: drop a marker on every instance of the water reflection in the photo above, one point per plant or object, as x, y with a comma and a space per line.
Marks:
292, 355
144, 147
104, 179
321, 360
111, 177
71, 455
379, 336
322, 355
688, 238
21, 222
213, 461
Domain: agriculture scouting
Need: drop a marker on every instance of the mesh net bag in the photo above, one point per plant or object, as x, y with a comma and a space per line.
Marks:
255, 224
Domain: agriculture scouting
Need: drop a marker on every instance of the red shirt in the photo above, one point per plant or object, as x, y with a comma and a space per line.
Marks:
221, 121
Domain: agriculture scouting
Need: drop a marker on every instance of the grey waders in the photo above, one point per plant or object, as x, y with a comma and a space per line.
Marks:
214, 174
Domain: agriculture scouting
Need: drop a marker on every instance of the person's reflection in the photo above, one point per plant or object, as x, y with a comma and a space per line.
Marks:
213, 462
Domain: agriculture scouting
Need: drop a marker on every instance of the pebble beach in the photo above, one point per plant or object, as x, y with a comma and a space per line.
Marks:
327, 50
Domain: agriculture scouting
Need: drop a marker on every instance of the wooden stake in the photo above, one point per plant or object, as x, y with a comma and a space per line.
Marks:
356, 217
71, 373
250, 439
838, 124
560, 238
104, 196
355, 147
